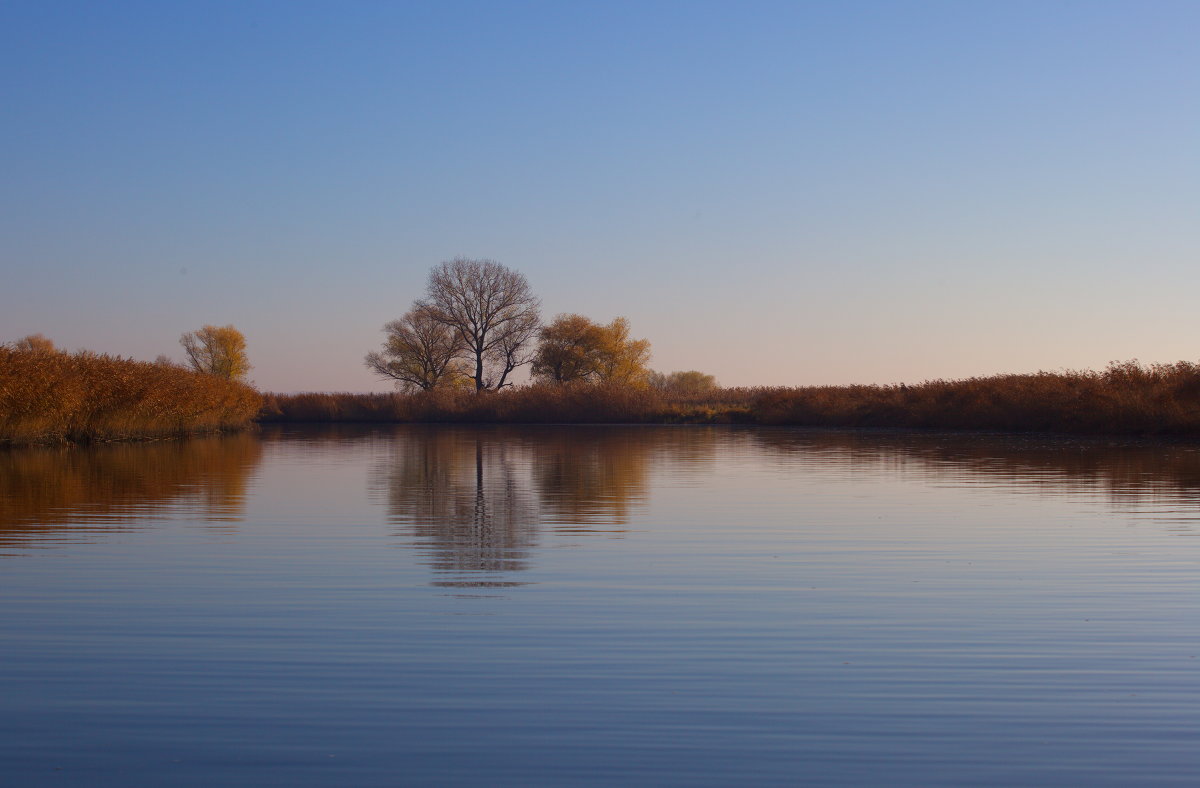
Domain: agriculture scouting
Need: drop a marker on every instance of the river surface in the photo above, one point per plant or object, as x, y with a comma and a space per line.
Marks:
523, 606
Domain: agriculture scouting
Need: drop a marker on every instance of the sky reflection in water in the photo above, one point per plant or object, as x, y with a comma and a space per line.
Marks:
587, 605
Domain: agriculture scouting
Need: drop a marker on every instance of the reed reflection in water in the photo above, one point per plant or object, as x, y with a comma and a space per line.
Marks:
54, 495
473, 501
1129, 473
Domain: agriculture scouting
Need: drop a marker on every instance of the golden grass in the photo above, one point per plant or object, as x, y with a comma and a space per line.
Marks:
51, 397
1126, 398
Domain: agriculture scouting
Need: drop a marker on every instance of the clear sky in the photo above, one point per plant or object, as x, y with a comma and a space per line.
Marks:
775, 193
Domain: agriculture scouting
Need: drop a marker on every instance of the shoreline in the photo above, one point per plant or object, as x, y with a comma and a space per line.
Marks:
59, 399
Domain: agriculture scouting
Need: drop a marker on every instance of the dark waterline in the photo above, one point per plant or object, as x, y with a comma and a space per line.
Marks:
597, 606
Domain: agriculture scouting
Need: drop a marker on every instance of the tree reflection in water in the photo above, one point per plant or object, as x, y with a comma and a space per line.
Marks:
591, 479
463, 497
474, 500
50, 495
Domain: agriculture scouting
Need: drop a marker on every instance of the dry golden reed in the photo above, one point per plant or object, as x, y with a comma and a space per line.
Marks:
1125, 398
52, 397
581, 403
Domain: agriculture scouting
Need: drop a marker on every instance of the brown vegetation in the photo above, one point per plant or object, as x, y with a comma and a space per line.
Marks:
1126, 398
53, 397
536, 404
35, 343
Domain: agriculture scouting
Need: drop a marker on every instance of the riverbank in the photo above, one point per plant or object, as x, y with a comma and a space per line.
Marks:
1124, 399
53, 397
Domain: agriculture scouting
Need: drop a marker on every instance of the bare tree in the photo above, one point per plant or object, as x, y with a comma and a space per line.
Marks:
493, 311
514, 348
419, 352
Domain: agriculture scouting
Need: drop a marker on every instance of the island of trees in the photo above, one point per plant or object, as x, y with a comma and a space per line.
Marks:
455, 353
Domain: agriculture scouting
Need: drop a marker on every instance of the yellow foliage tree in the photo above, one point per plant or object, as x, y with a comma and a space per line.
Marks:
35, 343
421, 353
217, 350
621, 358
566, 349
574, 347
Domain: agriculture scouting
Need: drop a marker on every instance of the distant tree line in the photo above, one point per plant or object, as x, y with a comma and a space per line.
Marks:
479, 321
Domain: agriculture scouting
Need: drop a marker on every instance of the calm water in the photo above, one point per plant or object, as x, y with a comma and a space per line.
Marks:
600, 606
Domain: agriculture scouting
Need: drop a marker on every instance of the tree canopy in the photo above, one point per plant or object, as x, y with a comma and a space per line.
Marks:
573, 347
35, 343
688, 382
493, 311
420, 352
217, 350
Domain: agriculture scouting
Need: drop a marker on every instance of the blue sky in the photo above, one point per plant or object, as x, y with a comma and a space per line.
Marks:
775, 193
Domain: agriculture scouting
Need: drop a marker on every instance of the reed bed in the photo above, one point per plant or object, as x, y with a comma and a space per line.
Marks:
1126, 398
52, 397
583, 403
